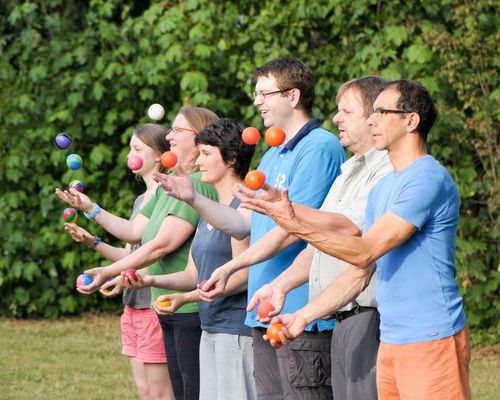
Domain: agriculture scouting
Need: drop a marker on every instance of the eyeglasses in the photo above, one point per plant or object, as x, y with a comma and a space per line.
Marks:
265, 94
378, 112
176, 129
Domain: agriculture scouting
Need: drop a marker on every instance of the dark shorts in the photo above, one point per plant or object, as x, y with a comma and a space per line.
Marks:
300, 371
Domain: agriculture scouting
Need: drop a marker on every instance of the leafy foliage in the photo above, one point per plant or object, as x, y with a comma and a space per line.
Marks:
92, 68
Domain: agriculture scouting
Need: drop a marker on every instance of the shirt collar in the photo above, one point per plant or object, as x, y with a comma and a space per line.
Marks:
372, 156
308, 127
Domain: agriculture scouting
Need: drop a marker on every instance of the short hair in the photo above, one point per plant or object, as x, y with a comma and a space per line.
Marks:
154, 136
414, 97
225, 134
368, 87
291, 73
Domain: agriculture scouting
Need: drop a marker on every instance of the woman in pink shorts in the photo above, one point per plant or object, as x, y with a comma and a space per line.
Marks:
142, 338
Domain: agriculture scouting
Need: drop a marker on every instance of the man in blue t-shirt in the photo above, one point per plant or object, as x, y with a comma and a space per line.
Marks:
410, 233
307, 163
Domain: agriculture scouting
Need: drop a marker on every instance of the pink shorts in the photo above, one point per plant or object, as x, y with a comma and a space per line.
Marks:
142, 337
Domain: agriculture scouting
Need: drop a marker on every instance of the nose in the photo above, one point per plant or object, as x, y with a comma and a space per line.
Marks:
336, 118
258, 100
371, 119
169, 136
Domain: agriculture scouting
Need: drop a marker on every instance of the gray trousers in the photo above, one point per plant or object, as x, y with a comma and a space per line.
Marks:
355, 342
226, 367
297, 371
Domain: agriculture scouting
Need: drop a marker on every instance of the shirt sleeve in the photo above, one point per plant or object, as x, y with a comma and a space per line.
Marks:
417, 199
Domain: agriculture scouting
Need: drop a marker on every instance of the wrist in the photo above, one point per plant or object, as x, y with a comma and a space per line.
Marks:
93, 212
97, 240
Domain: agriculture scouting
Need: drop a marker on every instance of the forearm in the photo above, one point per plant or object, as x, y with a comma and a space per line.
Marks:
110, 252
222, 217
266, 247
340, 292
319, 220
181, 281
354, 250
120, 228
296, 274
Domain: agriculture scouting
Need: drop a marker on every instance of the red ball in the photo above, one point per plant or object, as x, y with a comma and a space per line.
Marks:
134, 162
168, 159
250, 135
275, 136
264, 309
255, 180
130, 274
273, 332
200, 285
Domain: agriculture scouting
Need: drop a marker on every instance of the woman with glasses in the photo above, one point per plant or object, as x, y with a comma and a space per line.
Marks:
226, 354
165, 227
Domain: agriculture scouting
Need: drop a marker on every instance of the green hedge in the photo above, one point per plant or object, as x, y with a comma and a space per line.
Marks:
91, 69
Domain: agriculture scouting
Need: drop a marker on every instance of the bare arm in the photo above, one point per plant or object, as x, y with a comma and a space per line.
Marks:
235, 223
294, 218
388, 232
121, 228
80, 235
173, 232
183, 280
340, 292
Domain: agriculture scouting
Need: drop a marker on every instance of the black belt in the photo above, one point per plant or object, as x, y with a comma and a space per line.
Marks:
341, 315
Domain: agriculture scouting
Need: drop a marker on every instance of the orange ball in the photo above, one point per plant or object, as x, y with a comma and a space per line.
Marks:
163, 303
264, 309
255, 180
168, 159
275, 136
273, 332
250, 135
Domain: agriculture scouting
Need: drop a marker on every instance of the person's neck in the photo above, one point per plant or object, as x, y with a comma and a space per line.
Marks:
292, 125
405, 153
361, 150
224, 188
151, 184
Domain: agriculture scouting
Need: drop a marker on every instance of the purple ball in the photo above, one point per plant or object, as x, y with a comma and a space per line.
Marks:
62, 141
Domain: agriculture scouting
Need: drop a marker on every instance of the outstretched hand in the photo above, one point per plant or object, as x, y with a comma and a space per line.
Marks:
269, 293
176, 301
112, 287
178, 186
75, 199
215, 286
99, 277
281, 210
78, 234
293, 326
268, 193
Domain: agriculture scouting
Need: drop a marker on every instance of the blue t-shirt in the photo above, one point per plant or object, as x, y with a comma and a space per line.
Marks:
417, 294
307, 165
210, 249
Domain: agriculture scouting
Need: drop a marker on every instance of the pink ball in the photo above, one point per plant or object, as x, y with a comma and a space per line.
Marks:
134, 162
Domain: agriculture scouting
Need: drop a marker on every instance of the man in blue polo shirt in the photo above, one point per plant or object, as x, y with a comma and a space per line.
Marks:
307, 164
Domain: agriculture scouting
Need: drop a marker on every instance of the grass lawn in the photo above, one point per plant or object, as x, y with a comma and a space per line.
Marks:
79, 358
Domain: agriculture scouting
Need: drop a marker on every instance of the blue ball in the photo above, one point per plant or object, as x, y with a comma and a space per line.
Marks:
74, 161
62, 141
84, 280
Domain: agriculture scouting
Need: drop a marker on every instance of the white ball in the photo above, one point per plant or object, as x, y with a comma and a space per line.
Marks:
156, 111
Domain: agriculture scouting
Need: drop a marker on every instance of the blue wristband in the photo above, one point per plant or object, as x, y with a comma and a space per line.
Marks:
93, 213
96, 241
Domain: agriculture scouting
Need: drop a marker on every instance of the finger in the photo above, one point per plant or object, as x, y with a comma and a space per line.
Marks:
252, 303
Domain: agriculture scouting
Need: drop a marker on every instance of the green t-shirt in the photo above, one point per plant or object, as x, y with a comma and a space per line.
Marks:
160, 206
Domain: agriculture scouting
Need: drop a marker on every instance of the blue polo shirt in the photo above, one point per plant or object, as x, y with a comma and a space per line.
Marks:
307, 165
417, 295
